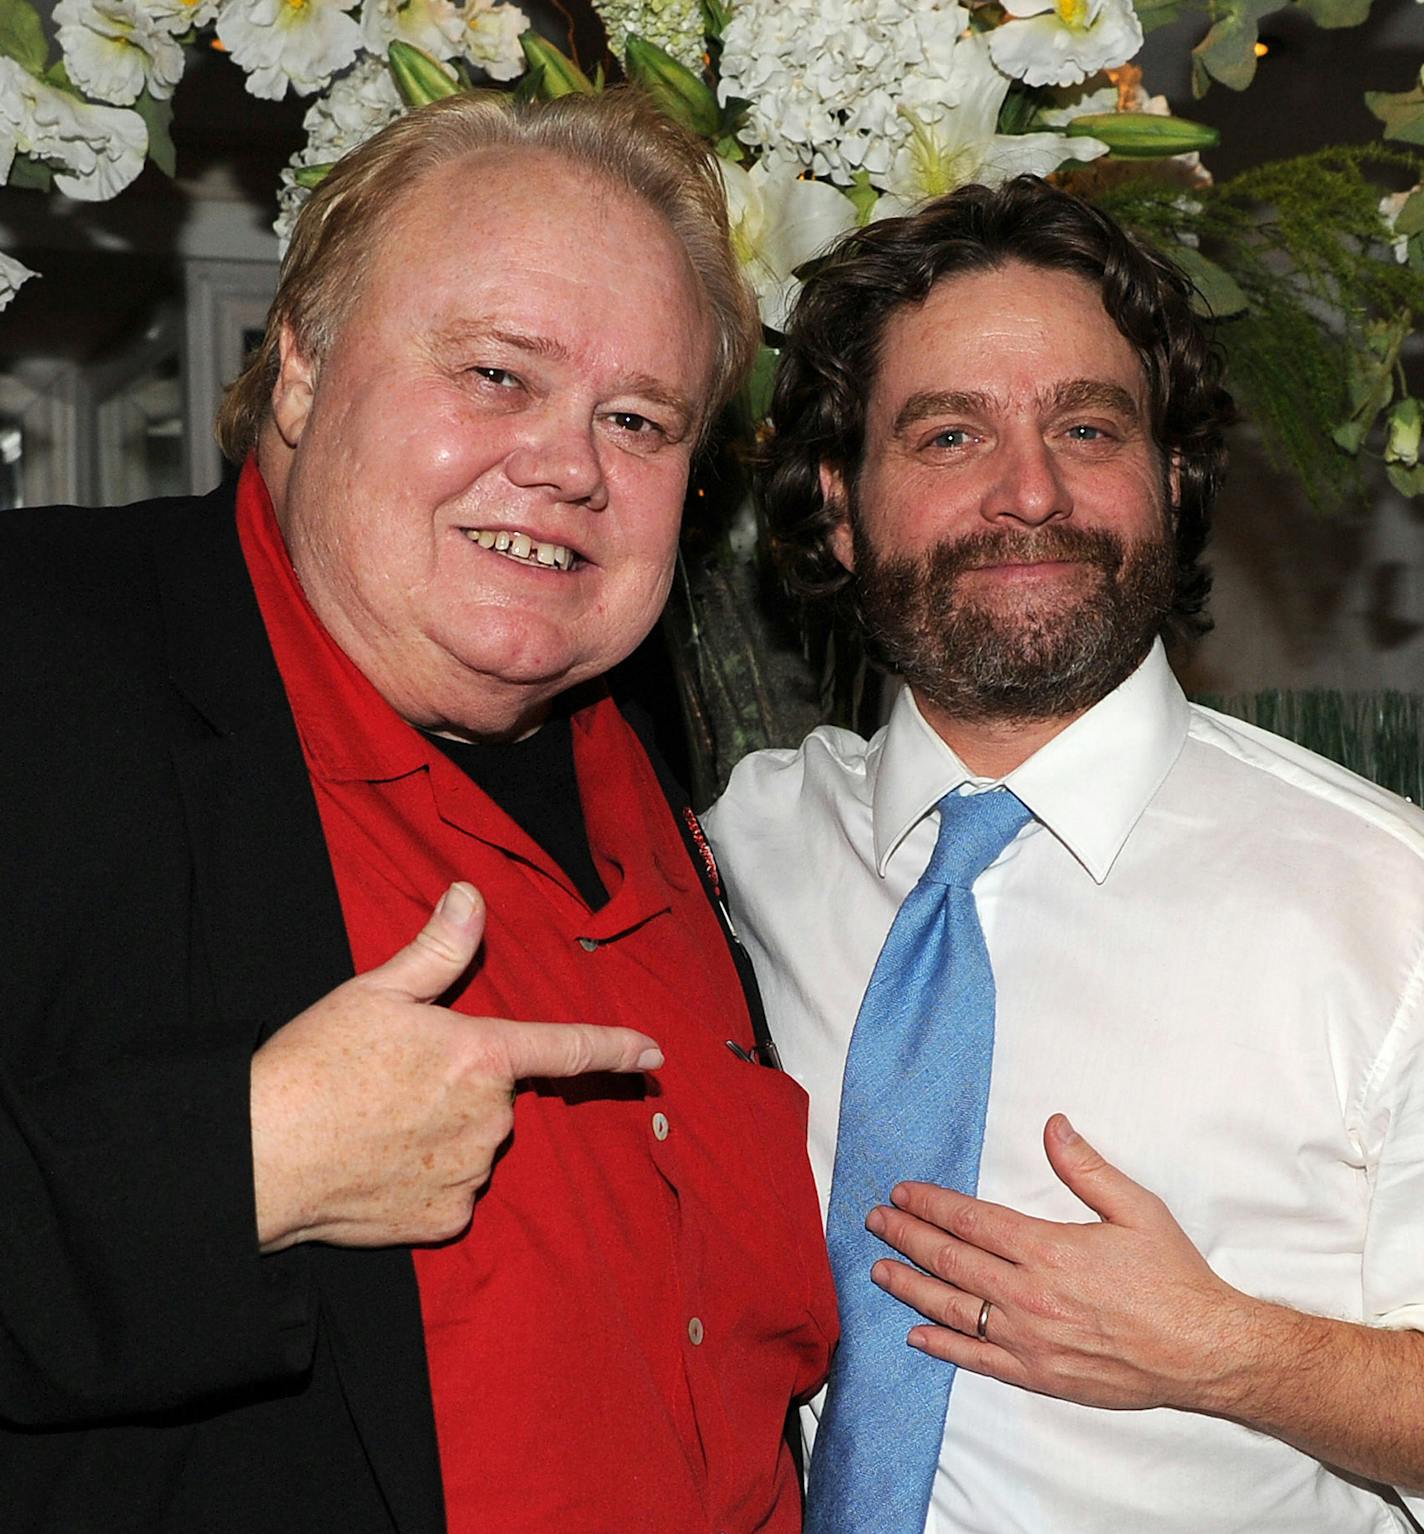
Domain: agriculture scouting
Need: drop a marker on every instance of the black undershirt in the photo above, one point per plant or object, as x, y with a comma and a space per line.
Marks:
533, 781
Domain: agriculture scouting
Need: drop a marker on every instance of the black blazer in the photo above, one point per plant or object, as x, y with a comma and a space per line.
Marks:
166, 902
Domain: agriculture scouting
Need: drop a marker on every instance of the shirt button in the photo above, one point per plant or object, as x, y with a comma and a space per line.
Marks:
694, 1332
660, 1126
588, 944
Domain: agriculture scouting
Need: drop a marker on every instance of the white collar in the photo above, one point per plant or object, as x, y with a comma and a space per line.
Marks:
1089, 785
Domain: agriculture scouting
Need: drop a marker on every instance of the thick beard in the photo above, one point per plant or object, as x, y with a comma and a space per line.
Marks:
1053, 655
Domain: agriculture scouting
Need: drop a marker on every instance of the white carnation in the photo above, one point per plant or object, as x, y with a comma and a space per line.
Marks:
434, 26
359, 104
96, 151
281, 43
114, 48
826, 78
674, 25
1061, 42
492, 34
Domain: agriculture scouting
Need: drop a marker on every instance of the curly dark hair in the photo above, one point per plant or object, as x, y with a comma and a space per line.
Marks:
832, 356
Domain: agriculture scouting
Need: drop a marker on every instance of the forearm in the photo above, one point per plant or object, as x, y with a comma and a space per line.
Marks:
1351, 1396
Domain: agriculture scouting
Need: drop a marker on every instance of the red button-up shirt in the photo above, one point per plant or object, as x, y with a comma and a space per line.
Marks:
643, 1288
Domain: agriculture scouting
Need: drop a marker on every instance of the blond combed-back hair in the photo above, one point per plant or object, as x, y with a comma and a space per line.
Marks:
618, 135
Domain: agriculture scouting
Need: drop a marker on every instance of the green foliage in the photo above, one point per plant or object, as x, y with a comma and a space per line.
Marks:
22, 35
1336, 13
1303, 242
158, 118
1228, 51
1162, 13
1402, 113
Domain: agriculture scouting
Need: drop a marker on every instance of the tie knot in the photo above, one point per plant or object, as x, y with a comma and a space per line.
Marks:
973, 830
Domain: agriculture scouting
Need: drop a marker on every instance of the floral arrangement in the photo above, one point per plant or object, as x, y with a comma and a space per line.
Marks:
826, 114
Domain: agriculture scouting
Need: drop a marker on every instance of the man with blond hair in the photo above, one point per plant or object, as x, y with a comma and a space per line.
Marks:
311, 1226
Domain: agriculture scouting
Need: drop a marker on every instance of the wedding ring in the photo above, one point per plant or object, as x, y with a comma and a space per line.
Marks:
981, 1331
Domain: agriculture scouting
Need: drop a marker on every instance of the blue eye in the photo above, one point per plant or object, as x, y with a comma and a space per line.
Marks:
1086, 433
958, 433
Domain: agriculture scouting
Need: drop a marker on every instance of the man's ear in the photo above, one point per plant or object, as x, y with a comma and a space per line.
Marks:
833, 493
294, 391
1174, 486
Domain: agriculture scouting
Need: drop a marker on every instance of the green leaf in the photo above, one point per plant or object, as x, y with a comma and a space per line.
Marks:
58, 76
1161, 13
715, 16
1371, 382
158, 116
1402, 113
22, 35
1411, 215
32, 174
312, 176
729, 149
756, 392
1218, 293
1408, 481
1336, 13
863, 196
1228, 52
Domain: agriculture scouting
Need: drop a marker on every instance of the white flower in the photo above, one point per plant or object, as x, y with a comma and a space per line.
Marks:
779, 223
180, 16
492, 34
435, 26
114, 48
13, 275
674, 25
961, 143
96, 150
1060, 42
359, 104
825, 78
300, 43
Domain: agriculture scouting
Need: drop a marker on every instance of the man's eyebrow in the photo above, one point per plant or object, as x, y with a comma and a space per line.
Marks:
647, 387
1091, 394
932, 402
467, 331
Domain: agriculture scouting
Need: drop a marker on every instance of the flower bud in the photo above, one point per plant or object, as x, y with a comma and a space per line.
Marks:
1143, 135
419, 78
558, 74
673, 86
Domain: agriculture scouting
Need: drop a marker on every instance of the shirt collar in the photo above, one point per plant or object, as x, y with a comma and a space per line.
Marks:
1089, 785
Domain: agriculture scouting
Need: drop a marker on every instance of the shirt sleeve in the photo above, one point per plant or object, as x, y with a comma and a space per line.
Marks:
1392, 1269
130, 1276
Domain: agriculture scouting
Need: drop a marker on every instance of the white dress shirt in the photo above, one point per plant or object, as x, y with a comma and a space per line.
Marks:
1208, 949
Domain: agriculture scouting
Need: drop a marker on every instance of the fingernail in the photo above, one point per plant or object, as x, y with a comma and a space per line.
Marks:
875, 1221
1066, 1132
457, 904
900, 1195
650, 1060
880, 1273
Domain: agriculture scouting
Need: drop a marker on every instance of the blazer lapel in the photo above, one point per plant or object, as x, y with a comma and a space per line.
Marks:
273, 931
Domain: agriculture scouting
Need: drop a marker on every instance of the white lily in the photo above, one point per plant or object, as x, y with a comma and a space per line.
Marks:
95, 150
1060, 42
434, 26
780, 222
492, 33
281, 43
114, 48
13, 275
960, 143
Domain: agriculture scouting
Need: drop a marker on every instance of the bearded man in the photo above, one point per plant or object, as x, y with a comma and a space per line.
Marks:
1053, 895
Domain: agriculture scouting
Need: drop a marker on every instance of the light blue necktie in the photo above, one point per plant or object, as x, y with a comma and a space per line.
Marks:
913, 1104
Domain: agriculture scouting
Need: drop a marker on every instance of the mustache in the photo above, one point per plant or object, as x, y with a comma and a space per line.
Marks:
1043, 545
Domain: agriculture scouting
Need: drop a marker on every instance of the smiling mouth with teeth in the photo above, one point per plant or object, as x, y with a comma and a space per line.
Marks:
524, 549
